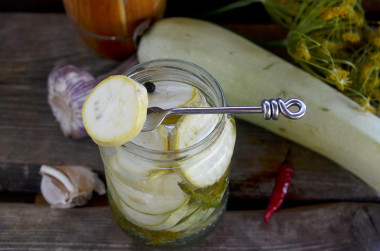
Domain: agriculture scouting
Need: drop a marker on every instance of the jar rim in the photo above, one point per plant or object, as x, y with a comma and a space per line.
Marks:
177, 63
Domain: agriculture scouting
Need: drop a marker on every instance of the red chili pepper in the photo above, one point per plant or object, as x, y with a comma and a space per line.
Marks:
280, 189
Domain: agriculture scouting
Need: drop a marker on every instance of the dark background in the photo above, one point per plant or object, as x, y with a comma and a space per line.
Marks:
254, 13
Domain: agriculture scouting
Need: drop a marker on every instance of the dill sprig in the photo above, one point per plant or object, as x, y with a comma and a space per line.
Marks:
332, 41
367, 79
324, 38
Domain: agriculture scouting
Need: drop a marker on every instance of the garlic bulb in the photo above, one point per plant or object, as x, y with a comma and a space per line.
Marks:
68, 87
69, 186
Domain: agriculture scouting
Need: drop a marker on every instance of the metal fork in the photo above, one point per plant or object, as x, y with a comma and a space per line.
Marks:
270, 108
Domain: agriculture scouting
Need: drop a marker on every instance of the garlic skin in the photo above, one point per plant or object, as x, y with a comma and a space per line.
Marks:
69, 186
68, 87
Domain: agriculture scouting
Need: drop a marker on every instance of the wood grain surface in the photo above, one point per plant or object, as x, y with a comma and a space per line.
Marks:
32, 44
341, 226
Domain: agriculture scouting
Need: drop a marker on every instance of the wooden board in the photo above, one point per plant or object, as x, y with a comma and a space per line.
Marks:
31, 44
258, 154
342, 226
31, 136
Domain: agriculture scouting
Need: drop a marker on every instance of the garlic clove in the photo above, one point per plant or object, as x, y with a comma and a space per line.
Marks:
68, 87
54, 193
69, 186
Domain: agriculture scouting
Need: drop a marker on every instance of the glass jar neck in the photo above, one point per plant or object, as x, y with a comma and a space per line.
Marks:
188, 73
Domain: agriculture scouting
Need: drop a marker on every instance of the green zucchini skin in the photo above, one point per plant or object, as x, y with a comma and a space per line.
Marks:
333, 126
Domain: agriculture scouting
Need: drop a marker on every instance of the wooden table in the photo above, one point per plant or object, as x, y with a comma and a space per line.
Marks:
327, 208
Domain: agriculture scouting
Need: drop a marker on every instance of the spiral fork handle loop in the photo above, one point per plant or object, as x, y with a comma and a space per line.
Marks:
273, 107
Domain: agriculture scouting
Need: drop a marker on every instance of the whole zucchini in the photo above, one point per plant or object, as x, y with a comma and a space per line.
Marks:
333, 126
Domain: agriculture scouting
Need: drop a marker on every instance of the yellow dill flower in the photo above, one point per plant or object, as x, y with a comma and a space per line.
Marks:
352, 37
359, 21
356, 17
376, 41
365, 104
373, 83
375, 94
341, 11
302, 51
331, 46
339, 77
327, 14
374, 56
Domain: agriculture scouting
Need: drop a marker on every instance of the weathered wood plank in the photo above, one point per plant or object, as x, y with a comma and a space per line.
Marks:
31, 45
258, 155
342, 226
20, 177
30, 136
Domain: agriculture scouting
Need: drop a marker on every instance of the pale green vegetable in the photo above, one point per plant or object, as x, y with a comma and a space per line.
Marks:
333, 126
209, 169
168, 199
149, 221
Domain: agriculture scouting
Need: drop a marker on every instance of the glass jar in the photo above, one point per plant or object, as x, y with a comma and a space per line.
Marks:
172, 197
112, 27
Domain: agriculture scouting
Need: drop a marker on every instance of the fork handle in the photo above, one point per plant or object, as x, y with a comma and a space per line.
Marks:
270, 108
